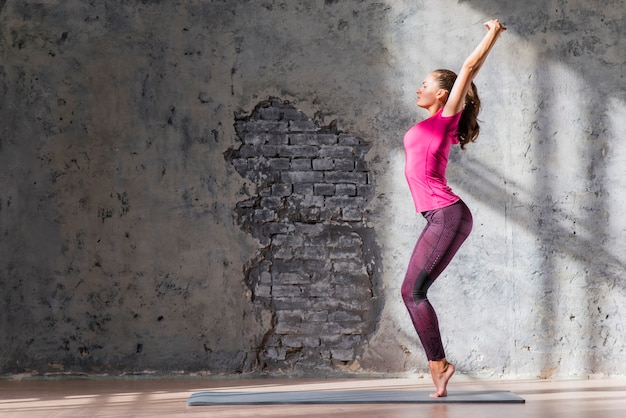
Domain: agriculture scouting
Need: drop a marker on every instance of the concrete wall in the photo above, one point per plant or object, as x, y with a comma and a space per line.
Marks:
121, 239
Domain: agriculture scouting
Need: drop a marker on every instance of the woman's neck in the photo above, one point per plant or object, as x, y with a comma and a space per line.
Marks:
435, 108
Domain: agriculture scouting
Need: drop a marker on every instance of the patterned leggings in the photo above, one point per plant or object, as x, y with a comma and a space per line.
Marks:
443, 235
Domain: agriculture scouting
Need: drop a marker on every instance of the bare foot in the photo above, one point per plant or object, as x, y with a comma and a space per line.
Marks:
441, 372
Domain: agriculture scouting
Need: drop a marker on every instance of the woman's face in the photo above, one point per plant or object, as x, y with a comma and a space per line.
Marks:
427, 93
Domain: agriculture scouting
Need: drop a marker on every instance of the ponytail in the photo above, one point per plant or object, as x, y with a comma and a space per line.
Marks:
468, 124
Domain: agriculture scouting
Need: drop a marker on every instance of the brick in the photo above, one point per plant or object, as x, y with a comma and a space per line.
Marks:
307, 201
256, 166
286, 290
247, 151
331, 340
303, 189
270, 113
262, 291
323, 164
326, 139
361, 150
324, 189
293, 316
253, 139
325, 355
344, 165
311, 214
314, 240
309, 229
351, 215
343, 354
291, 114
318, 290
271, 202
349, 140
315, 316
261, 138
360, 165
283, 252
344, 201
352, 292
285, 329
289, 341
345, 190
291, 278
279, 163
325, 303
351, 329
325, 328
291, 240
336, 151
270, 150
241, 165
311, 342
350, 341
348, 266
264, 215
281, 189
277, 139
301, 164
302, 177
315, 139
343, 177
276, 353
316, 265
365, 190
312, 253
349, 277
343, 316
345, 253
286, 266
274, 228
297, 151
302, 126
331, 213
349, 240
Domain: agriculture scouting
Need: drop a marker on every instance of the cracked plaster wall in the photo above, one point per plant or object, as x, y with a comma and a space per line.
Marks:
120, 245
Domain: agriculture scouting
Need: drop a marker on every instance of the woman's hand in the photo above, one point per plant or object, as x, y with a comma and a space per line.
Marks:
494, 24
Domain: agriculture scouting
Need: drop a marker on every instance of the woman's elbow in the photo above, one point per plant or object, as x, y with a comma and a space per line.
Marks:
470, 68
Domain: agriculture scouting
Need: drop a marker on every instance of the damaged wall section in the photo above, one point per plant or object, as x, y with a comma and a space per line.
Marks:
317, 270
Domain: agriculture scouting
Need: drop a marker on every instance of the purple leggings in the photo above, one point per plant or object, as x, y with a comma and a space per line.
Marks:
443, 235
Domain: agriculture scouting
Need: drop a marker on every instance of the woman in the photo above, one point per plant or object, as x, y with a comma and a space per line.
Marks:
453, 104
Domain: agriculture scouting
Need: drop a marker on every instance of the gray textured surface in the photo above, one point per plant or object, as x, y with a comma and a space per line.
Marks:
349, 397
119, 239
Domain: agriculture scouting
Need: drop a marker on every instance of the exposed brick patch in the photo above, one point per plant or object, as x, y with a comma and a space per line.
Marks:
316, 272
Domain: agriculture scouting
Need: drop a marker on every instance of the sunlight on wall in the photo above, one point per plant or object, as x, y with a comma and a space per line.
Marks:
540, 184
615, 176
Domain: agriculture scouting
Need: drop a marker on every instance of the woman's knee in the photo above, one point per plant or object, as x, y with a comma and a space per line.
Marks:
407, 292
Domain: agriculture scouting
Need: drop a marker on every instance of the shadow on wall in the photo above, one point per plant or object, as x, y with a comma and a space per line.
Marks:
577, 70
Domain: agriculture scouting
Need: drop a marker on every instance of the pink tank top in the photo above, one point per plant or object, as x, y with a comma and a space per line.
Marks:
427, 146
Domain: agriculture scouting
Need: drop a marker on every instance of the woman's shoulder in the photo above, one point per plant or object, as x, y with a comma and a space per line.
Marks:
448, 117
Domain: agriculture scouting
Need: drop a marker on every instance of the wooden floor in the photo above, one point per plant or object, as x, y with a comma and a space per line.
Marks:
167, 398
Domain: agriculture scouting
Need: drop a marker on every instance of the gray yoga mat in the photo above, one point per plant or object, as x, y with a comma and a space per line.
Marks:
348, 397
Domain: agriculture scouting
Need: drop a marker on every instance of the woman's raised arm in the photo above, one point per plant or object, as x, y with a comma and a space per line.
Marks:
470, 68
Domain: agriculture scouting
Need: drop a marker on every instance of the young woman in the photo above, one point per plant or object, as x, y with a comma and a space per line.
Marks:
453, 104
